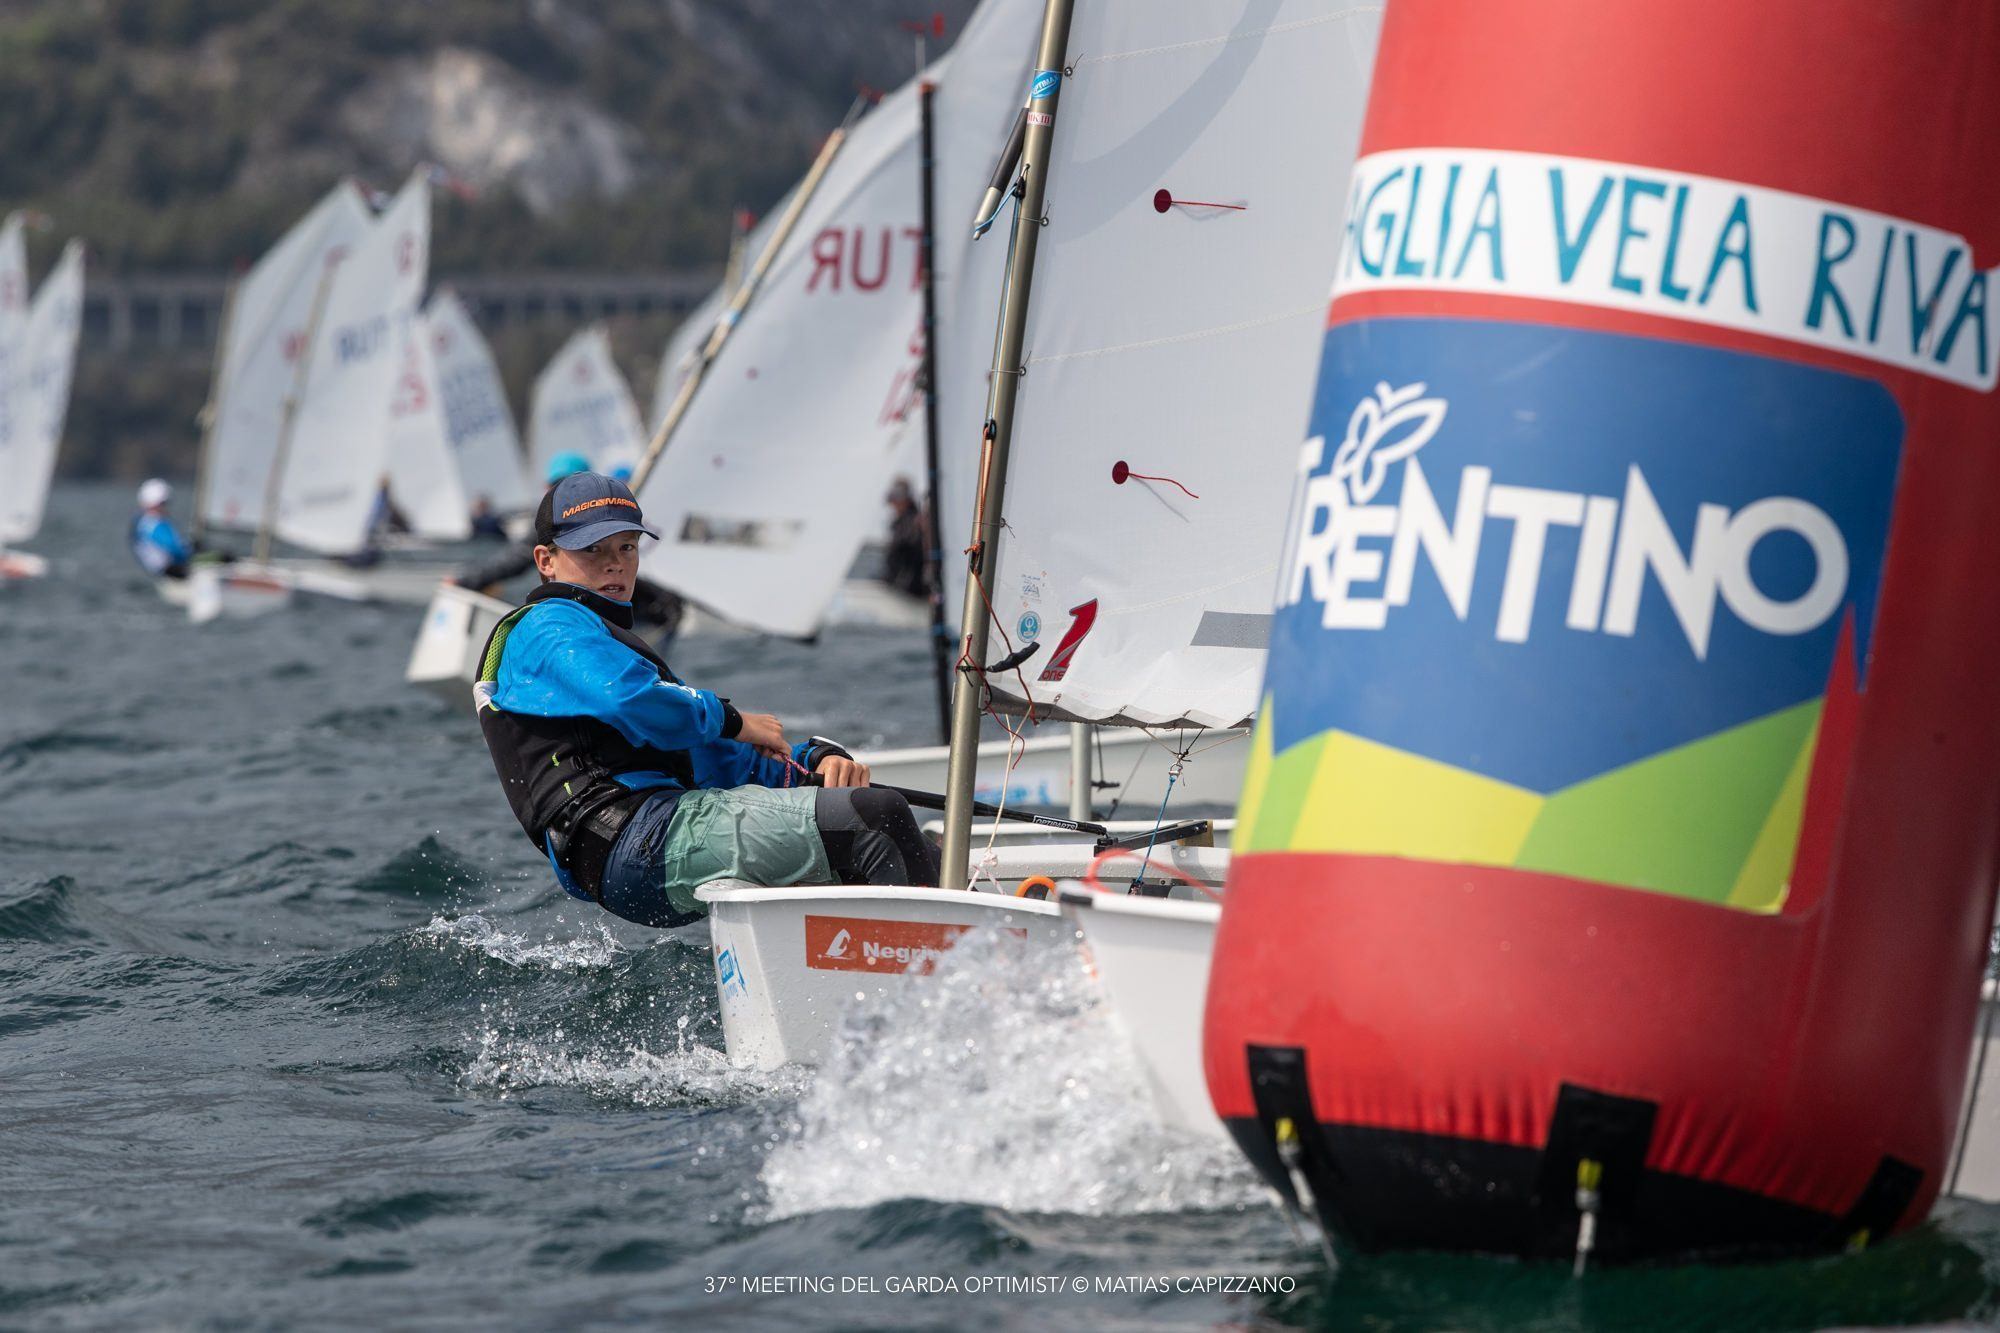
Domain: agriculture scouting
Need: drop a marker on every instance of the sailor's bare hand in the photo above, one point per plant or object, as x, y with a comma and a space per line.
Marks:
763, 733
835, 771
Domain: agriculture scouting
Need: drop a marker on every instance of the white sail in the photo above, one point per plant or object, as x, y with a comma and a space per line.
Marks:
582, 405
777, 473
338, 450
423, 474
478, 422
1200, 164
43, 368
683, 349
13, 335
13, 277
266, 335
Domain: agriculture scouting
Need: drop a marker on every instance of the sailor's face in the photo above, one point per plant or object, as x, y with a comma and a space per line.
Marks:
607, 568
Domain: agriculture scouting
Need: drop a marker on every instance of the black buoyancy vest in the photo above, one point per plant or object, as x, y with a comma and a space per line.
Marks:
547, 762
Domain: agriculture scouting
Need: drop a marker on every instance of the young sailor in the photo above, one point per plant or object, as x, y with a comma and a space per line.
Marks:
156, 543
640, 788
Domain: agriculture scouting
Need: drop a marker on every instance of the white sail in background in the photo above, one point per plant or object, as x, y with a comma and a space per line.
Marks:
266, 335
582, 405
777, 473
1176, 333
478, 422
13, 334
339, 445
43, 367
423, 474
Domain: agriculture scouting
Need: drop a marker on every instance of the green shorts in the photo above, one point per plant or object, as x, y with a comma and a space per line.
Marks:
763, 835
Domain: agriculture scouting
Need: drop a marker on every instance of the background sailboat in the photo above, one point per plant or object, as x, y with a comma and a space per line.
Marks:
478, 422
581, 404
423, 472
333, 456
775, 477
268, 332
39, 371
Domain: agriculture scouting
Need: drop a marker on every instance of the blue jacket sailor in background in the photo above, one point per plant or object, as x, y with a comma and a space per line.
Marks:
156, 543
638, 787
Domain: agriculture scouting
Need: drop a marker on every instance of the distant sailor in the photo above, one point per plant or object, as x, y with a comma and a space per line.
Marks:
156, 543
907, 563
640, 788
485, 523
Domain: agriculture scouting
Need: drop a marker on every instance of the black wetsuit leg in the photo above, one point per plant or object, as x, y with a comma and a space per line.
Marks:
872, 838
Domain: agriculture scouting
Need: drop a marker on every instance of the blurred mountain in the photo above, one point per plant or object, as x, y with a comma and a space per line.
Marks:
186, 134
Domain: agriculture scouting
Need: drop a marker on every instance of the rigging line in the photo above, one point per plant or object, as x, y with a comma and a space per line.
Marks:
1173, 776
1215, 745
1126, 785
1316, 310
1295, 26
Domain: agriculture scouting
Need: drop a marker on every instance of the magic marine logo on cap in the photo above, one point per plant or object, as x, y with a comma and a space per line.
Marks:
585, 506
1569, 601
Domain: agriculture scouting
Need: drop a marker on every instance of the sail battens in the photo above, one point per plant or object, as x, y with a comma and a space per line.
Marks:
1232, 629
1313, 312
1254, 34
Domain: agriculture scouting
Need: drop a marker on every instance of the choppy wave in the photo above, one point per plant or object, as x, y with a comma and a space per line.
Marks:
999, 1079
430, 870
43, 913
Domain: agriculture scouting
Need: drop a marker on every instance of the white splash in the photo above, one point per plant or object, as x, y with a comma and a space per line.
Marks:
999, 1079
592, 949
690, 1074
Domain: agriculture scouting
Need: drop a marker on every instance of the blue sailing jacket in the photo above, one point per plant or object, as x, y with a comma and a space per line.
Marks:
561, 660
156, 545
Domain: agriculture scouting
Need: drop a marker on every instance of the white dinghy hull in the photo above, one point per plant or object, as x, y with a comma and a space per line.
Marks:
1151, 957
457, 623
789, 961
246, 588
20, 565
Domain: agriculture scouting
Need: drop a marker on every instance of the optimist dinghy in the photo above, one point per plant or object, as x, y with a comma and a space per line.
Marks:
242, 589
446, 655
323, 385
789, 961
1194, 327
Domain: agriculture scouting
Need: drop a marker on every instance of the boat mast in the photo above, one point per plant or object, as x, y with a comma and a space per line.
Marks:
212, 409
726, 324
1002, 385
274, 481
933, 492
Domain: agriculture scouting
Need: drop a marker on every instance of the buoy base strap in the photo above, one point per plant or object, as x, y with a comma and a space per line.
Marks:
1377, 1190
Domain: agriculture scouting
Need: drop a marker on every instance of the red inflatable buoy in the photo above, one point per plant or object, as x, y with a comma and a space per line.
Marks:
1615, 867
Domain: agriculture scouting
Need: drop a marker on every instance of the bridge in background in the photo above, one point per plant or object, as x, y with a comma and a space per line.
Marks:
144, 313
